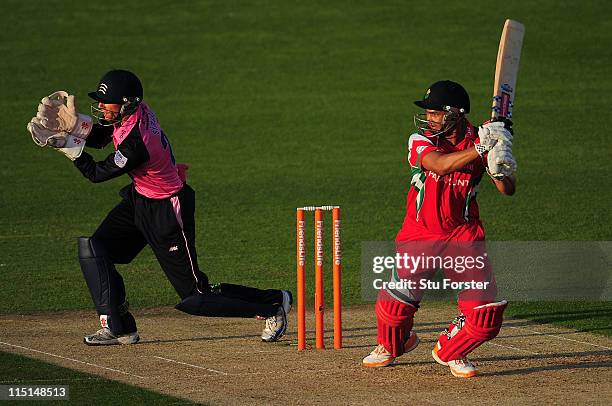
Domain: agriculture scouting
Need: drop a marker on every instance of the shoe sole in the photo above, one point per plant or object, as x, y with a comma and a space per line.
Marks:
378, 364
272, 339
125, 340
465, 375
434, 354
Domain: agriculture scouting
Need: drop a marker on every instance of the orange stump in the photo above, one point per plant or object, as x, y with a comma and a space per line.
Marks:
337, 277
319, 255
301, 282
319, 294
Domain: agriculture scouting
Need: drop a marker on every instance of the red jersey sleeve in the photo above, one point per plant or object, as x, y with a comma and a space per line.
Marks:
418, 147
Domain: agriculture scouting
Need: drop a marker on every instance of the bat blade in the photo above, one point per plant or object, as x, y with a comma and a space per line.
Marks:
506, 69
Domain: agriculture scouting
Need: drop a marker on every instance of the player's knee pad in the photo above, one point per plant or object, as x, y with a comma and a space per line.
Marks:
105, 284
395, 320
485, 321
481, 324
97, 270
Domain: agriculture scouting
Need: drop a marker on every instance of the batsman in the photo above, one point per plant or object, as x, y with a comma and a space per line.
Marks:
156, 209
448, 157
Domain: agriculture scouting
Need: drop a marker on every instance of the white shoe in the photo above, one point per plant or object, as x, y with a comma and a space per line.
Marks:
461, 368
105, 337
380, 357
276, 326
434, 354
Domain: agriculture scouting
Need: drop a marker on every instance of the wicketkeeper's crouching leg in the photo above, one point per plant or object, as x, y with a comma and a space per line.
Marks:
229, 300
213, 304
108, 295
475, 326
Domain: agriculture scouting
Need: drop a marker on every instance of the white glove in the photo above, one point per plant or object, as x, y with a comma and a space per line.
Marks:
63, 142
491, 133
40, 135
500, 161
57, 116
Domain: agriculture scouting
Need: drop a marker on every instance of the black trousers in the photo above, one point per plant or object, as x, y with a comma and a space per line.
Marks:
168, 227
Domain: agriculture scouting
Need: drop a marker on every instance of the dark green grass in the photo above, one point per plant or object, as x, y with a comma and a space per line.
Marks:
278, 105
84, 389
592, 317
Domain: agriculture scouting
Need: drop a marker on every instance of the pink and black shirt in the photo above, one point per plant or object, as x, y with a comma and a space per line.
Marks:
141, 150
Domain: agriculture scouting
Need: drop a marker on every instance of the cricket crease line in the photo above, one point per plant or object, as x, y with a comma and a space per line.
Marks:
25, 381
231, 374
513, 348
561, 338
301, 371
190, 365
71, 359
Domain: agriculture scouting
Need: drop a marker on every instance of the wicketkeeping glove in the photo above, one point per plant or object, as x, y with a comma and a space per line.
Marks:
491, 133
63, 142
57, 112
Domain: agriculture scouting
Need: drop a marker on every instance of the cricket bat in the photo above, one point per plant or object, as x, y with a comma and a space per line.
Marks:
506, 70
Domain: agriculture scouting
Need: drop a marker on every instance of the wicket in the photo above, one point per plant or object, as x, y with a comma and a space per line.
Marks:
319, 280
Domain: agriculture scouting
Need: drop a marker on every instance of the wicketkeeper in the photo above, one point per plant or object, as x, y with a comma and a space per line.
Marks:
156, 209
448, 157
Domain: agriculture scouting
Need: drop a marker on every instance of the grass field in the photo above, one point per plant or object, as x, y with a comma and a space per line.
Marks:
283, 104
18, 370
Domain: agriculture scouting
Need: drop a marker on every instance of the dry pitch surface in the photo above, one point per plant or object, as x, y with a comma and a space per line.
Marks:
223, 361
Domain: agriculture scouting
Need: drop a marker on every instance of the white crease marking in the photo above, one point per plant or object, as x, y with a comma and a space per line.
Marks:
191, 365
70, 359
560, 338
513, 348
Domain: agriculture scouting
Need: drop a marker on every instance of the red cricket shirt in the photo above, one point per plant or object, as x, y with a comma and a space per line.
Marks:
437, 206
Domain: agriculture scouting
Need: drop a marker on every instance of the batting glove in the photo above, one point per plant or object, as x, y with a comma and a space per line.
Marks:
490, 134
500, 161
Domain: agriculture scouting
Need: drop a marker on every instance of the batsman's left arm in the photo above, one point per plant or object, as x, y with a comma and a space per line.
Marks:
507, 185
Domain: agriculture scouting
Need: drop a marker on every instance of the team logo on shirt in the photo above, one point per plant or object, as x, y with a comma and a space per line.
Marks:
120, 159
